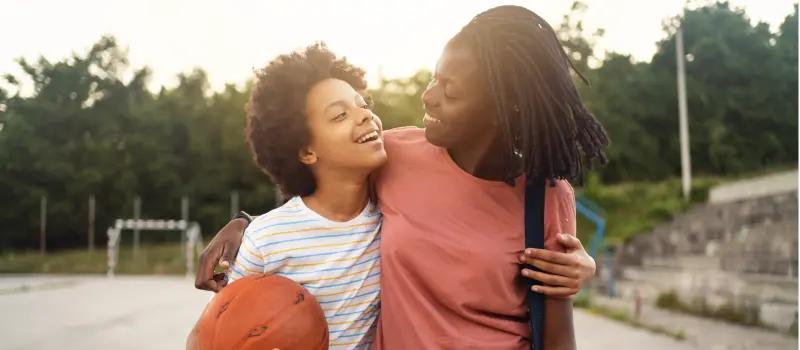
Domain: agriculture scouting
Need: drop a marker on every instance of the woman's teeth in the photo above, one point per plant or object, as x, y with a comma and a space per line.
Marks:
432, 119
368, 137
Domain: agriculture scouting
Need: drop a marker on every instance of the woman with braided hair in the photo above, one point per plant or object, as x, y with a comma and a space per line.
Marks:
502, 116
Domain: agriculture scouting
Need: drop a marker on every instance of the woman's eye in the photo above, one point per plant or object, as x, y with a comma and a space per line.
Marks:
340, 116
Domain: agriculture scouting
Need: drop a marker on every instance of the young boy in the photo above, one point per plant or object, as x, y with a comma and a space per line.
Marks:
313, 133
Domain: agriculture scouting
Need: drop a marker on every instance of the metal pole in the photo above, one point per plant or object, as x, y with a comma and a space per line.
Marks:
91, 223
234, 203
3, 109
43, 225
185, 218
137, 213
683, 119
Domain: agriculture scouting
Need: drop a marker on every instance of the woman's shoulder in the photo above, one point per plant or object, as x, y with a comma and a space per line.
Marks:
406, 148
406, 144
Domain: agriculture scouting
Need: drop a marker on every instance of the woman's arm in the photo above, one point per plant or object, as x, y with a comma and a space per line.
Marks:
559, 331
222, 250
565, 266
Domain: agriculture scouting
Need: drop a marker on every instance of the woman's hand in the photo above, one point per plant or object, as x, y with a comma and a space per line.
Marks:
222, 249
563, 274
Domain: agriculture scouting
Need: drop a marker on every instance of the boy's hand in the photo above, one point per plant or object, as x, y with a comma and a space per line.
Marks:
222, 249
563, 274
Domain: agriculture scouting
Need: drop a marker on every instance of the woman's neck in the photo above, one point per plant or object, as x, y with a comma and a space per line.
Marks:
339, 199
481, 159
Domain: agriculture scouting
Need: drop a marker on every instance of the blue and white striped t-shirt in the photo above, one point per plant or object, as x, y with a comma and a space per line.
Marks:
338, 262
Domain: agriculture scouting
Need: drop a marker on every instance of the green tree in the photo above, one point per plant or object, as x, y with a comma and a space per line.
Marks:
738, 119
398, 102
88, 130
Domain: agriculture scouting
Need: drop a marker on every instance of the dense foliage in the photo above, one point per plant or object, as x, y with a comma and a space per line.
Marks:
92, 128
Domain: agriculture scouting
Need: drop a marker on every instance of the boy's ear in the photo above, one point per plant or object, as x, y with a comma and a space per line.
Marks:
307, 156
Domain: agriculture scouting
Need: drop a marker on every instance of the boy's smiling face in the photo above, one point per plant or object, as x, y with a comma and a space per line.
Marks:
344, 133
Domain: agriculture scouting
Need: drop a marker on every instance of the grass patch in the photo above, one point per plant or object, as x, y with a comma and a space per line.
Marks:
162, 259
637, 207
793, 327
624, 316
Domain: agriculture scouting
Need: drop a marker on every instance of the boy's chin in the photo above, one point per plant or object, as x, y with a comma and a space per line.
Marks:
373, 162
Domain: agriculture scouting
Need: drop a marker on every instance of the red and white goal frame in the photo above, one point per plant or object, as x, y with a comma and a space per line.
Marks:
194, 240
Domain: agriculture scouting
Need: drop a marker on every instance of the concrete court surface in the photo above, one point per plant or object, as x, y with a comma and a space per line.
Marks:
152, 312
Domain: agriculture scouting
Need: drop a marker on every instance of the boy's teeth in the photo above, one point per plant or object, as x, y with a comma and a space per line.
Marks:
367, 137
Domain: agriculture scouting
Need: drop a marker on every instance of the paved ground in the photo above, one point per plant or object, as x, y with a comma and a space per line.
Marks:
155, 313
703, 333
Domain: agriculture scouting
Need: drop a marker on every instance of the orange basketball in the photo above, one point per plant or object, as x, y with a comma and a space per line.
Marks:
263, 312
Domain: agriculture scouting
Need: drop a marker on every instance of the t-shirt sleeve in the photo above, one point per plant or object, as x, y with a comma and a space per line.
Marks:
560, 215
400, 144
249, 261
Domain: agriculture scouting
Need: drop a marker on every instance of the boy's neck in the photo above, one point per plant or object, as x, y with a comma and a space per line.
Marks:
339, 199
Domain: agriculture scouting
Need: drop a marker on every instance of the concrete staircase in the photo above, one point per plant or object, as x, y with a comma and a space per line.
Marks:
765, 226
740, 249
767, 248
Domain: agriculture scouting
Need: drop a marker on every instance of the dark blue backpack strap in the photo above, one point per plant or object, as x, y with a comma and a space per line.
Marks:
534, 238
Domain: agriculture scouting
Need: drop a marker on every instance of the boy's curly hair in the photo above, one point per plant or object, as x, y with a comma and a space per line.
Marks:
276, 115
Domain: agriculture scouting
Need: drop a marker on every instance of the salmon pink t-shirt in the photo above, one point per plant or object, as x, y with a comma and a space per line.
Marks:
449, 251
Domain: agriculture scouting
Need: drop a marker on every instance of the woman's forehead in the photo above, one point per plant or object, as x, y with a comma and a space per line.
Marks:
456, 64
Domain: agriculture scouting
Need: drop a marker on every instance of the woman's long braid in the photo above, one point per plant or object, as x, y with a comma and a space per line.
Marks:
538, 108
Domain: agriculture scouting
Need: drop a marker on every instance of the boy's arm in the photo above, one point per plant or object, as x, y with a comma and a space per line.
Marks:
193, 344
191, 340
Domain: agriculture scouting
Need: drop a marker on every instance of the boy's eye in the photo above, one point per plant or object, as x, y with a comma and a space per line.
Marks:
368, 101
340, 116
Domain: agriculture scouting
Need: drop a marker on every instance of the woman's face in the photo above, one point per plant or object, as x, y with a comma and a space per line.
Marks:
457, 107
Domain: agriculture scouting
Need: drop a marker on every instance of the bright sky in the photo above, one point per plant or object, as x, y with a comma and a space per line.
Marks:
229, 38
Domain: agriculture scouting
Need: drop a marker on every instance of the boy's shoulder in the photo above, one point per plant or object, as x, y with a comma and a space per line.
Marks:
283, 218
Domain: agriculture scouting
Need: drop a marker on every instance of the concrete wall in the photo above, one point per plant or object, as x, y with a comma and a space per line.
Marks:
769, 185
774, 298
